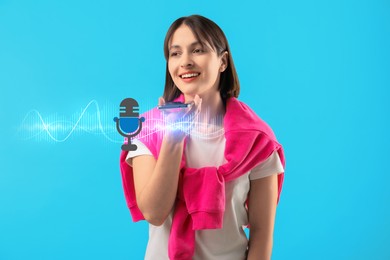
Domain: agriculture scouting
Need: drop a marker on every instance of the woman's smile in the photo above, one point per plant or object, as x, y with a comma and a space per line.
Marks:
189, 76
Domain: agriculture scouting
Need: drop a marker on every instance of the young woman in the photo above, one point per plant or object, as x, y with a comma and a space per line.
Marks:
214, 168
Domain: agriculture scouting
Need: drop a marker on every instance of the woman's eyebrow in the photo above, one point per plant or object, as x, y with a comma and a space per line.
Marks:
191, 45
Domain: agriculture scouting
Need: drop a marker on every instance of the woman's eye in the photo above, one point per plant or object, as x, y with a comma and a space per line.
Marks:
198, 50
174, 54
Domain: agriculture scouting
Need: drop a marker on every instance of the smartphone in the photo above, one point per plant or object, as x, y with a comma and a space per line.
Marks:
172, 105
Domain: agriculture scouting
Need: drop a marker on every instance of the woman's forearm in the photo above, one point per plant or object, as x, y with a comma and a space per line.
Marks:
260, 246
262, 210
158, 196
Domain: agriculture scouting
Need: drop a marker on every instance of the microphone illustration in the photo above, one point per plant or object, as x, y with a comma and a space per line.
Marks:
128, 124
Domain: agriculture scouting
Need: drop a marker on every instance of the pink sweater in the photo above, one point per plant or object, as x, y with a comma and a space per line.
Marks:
200, 202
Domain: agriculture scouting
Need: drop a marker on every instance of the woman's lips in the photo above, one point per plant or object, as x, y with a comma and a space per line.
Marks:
189, 76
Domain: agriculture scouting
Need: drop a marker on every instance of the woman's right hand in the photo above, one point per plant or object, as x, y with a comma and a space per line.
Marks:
179, 122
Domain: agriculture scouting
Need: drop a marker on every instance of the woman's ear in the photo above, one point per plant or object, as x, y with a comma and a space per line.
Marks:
224, 61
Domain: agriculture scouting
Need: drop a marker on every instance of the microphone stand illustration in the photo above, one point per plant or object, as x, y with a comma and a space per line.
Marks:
128, 124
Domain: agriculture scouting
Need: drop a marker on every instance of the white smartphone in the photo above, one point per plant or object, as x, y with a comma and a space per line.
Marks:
172, 105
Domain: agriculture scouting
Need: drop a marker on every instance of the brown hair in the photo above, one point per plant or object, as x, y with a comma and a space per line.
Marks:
207, 31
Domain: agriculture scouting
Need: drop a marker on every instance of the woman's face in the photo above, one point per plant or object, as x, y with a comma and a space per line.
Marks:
193, 68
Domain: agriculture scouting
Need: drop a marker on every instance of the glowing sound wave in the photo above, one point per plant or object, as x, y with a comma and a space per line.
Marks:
194, 129
53, 127
63, 125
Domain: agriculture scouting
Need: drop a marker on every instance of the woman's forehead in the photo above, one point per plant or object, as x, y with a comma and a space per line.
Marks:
184, 36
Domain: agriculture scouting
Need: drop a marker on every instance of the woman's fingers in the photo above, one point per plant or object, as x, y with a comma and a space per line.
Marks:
197, 99
195, 108
198, 103
161, 101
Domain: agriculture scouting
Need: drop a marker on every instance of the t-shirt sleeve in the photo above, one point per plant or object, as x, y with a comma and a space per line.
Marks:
272, 165
141, 150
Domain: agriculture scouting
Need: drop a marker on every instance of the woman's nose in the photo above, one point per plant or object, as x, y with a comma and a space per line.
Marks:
186, 61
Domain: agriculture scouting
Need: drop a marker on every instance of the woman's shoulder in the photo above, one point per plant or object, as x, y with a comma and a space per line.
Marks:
240, 116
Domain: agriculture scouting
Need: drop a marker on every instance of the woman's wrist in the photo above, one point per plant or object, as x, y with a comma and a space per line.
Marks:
175, 137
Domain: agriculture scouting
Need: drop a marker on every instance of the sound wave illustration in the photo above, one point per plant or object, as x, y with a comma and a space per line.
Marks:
59, 129
94, 121
196, 130
196, 127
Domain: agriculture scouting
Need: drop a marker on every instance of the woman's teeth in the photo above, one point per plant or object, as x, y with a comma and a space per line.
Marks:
190, 75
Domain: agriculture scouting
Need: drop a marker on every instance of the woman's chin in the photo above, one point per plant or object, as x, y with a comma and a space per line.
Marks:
189, 97
190, 94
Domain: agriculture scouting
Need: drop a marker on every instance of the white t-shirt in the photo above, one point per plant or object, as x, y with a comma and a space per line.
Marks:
227, 243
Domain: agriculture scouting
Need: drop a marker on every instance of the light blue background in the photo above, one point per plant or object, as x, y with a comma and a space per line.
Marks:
316, 71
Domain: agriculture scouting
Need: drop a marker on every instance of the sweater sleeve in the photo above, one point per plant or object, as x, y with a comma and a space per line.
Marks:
128, 188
